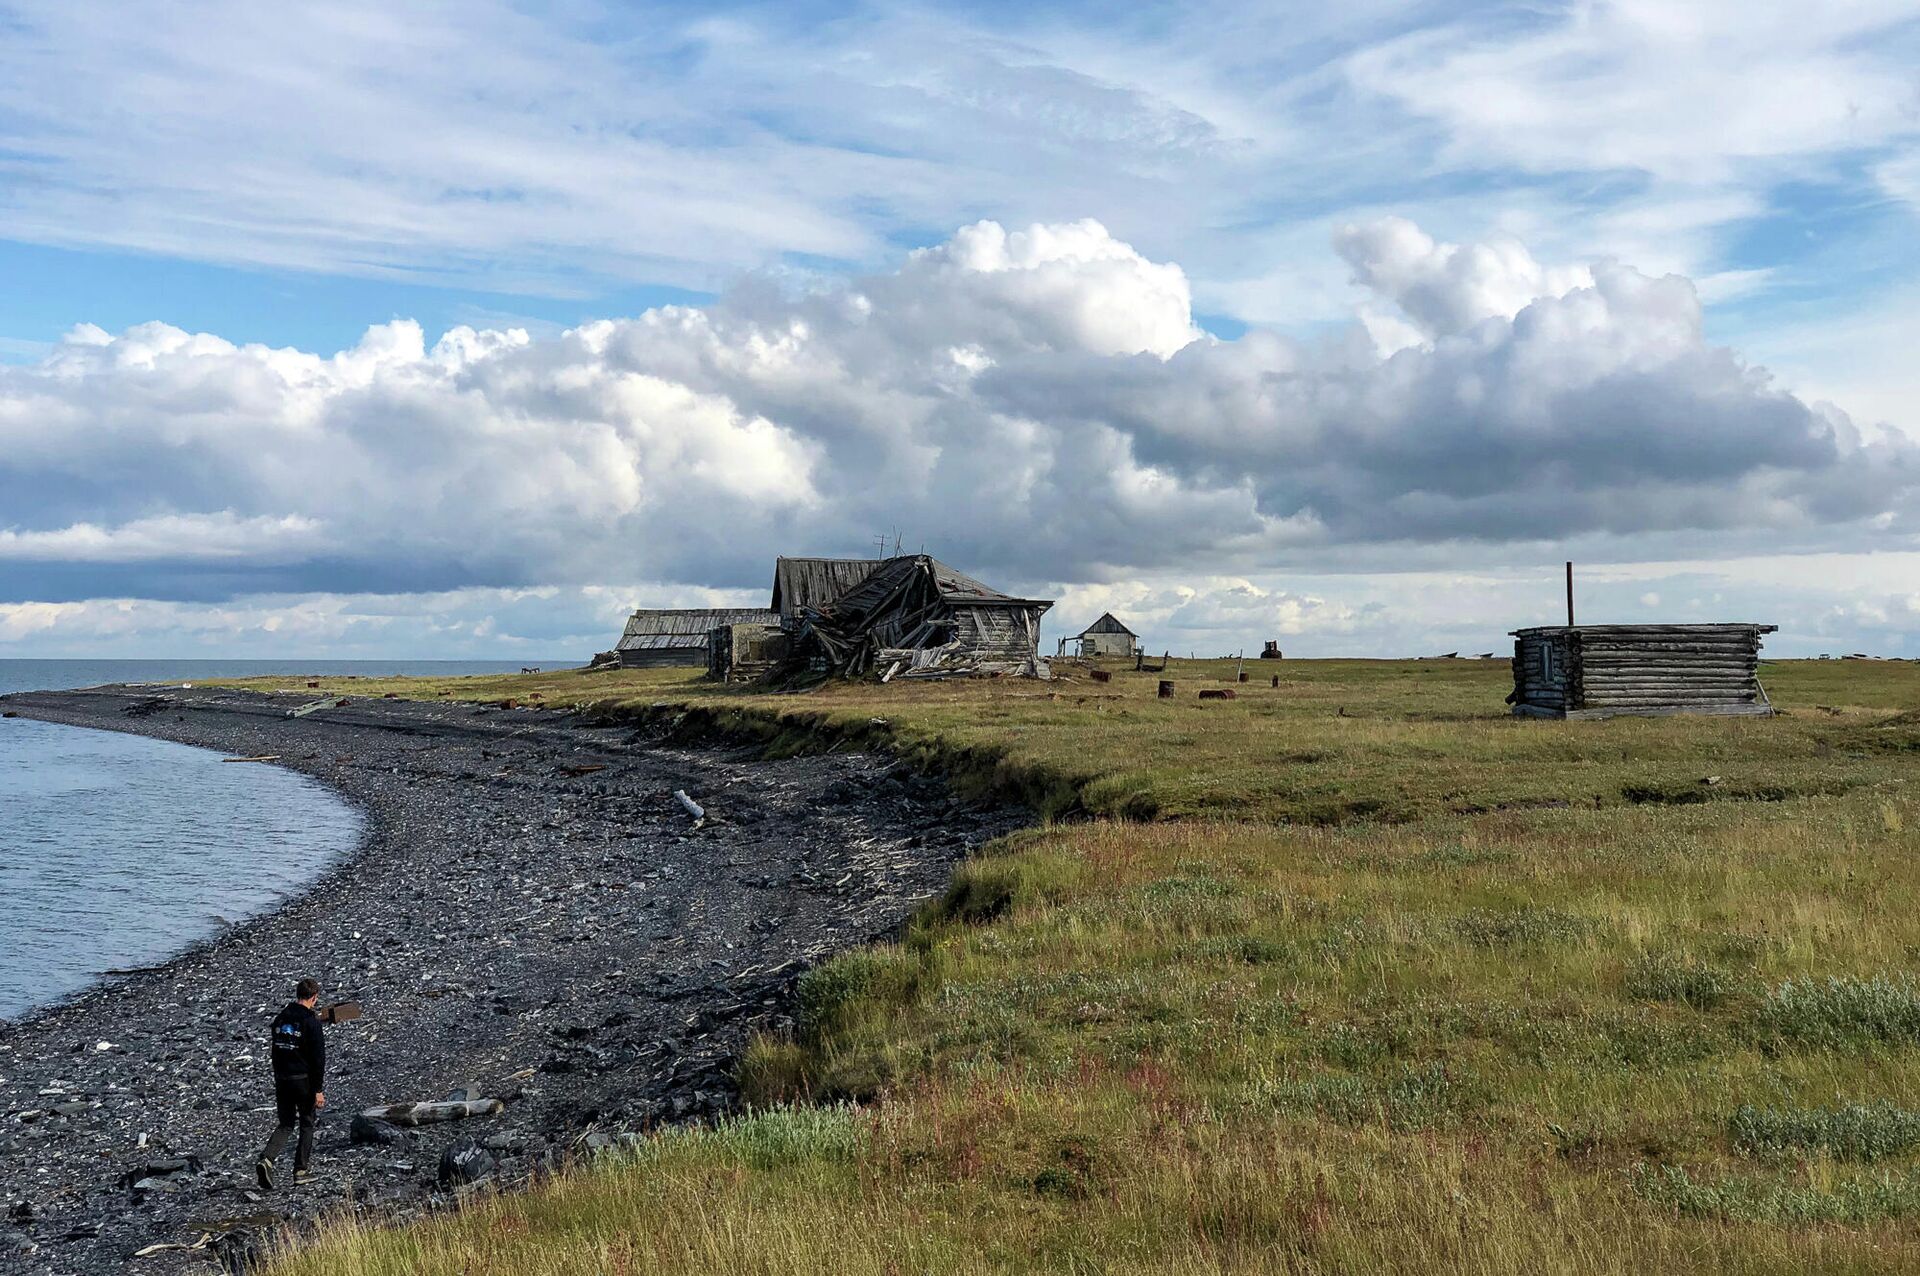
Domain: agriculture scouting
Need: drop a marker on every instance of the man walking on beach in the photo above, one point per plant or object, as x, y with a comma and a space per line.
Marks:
299, 1077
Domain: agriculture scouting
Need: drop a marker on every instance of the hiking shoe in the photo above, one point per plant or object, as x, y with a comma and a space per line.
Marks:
263, 1171
302, 1177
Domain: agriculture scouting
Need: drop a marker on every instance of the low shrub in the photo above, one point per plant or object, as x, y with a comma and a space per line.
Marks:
1667, 977
1749, 1200
764, 1140
1519, 927
1421, 1098
1851, 1132
1844, 1012
855, 987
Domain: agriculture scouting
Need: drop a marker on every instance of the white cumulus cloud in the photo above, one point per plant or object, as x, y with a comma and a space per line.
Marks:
1034, 403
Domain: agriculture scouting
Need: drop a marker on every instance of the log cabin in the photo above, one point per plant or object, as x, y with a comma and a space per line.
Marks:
1604, 671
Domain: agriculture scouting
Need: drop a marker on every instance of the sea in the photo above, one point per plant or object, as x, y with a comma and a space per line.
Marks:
118, 852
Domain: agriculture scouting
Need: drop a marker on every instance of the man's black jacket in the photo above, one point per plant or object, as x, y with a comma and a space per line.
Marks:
298, 1049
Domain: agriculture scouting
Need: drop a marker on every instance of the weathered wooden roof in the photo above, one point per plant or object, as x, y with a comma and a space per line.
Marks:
954, 587
1649, 633
815, 582
1107, 624
652, 629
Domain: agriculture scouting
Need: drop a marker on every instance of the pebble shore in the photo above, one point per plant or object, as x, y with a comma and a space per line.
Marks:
531, 915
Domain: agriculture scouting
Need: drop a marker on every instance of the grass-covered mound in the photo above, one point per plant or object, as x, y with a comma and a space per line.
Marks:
1356, 974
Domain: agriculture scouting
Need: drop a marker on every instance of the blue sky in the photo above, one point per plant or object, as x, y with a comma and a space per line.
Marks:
294, 179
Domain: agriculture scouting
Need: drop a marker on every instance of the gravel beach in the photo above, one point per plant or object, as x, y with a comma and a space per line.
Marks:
530, 913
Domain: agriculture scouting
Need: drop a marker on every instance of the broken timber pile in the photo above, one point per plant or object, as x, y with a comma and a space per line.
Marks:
915, 617
1601, 671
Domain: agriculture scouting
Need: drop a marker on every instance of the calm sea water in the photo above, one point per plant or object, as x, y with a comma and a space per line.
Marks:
118, 851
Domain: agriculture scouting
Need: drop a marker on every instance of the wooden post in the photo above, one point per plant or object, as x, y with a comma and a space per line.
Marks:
1166, 688
1276, 680
1569, 593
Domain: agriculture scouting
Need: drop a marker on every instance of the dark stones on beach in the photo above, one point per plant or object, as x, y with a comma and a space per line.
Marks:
374, 1131
466, 1162
511, 931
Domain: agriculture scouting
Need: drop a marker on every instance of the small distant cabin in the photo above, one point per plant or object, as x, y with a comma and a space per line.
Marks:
1603, 671
815, 582
659, 638
1104, 637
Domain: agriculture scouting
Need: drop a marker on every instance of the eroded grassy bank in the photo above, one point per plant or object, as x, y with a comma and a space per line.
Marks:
1385, 981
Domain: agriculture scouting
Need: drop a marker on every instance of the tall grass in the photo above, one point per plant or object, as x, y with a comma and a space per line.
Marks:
1391, 983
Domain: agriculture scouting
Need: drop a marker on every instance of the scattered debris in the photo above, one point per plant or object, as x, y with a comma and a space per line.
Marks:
1219, 693
314, 706
206, 1239
341, 1012
258, 757
693, 808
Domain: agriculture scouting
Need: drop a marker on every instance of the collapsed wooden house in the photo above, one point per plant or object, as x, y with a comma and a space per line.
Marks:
914, 616
1602, 671
656, 638
1104, 637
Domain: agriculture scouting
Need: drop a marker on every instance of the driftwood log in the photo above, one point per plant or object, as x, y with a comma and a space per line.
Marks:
434, 1112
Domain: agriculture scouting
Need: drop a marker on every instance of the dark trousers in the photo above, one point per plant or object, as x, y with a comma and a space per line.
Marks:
293, 1097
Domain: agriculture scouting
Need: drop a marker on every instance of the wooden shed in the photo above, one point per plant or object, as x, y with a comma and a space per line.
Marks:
745, 652
1104, 637
657, 637
1601, 671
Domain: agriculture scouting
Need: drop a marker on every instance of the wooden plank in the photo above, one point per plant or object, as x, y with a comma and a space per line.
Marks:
1675, 646
1735, 682
1655, 662
1673, 711
1660, 702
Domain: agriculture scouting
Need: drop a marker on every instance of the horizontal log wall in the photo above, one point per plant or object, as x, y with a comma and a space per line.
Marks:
1639, 669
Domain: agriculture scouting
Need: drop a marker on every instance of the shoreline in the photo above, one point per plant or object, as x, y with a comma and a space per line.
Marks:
341, 859
527, 909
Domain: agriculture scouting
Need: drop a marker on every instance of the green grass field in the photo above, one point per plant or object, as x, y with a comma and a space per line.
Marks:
1353, 974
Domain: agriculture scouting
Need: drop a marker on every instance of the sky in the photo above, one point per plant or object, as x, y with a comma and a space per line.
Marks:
460, 330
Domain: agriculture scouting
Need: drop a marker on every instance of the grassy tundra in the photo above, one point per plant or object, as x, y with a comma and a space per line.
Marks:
1352, 974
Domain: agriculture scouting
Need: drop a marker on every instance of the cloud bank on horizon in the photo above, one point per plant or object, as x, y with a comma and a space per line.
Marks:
1342, 328
1037, 404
